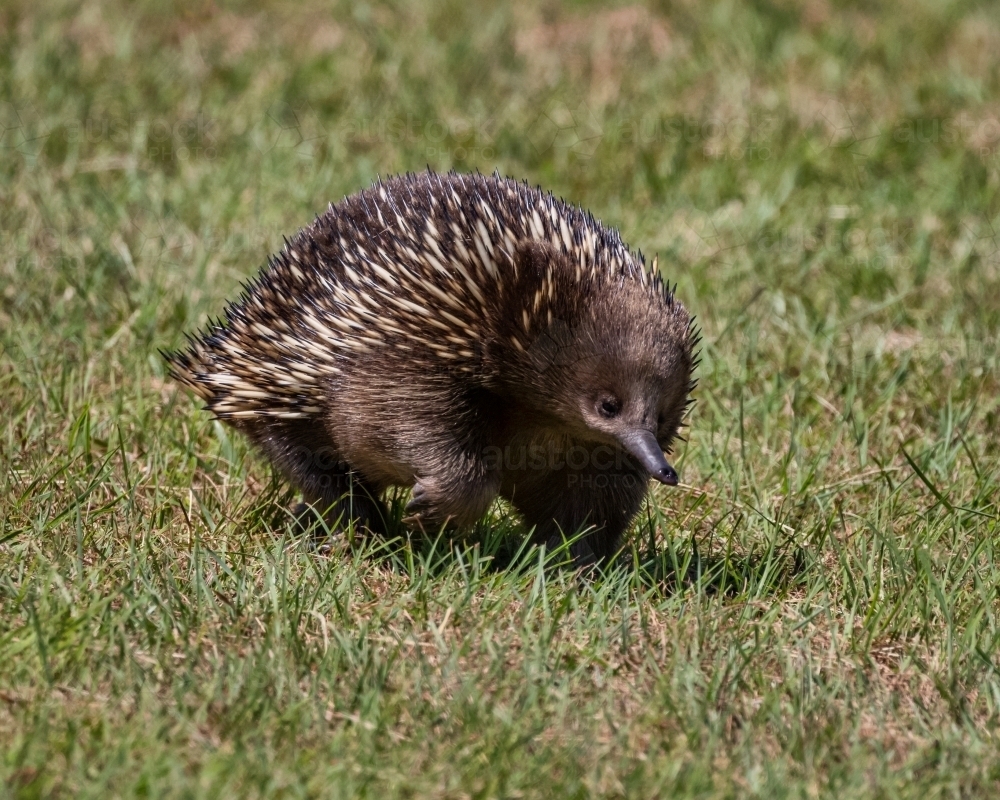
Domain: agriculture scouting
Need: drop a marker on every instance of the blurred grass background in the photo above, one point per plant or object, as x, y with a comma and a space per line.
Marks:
815, 613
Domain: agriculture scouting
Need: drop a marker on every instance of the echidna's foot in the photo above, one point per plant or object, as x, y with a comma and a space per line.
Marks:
308, 518
352, 518
418, 506
423, 511
433, 506
320, 535
581, 547
588, 546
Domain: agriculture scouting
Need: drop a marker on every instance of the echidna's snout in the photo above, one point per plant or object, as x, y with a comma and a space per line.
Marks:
643, 445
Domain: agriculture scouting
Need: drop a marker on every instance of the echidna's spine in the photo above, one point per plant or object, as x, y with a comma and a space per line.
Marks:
410, 268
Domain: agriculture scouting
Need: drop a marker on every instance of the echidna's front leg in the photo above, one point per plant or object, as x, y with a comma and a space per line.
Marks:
457, 498
454, 495
455, 469
598, 500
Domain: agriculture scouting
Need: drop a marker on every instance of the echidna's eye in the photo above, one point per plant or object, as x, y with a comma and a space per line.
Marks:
609, 407
660, 420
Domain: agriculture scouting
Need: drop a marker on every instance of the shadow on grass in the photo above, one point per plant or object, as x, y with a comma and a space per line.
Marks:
500, 544
771, 571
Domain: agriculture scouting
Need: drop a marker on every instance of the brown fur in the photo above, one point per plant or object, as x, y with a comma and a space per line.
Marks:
524, 316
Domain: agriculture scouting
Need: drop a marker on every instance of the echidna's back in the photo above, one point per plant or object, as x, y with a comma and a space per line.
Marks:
402, 276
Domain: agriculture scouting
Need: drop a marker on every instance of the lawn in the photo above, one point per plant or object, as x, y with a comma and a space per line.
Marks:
814, 612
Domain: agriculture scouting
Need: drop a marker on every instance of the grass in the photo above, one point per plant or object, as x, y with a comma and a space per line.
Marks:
815, 613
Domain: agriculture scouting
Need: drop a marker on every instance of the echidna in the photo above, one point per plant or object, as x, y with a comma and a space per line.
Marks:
466, 336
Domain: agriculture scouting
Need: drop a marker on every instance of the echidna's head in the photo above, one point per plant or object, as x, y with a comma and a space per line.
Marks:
615, 368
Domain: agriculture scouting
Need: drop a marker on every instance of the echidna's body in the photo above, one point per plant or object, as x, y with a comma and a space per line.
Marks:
467, 336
